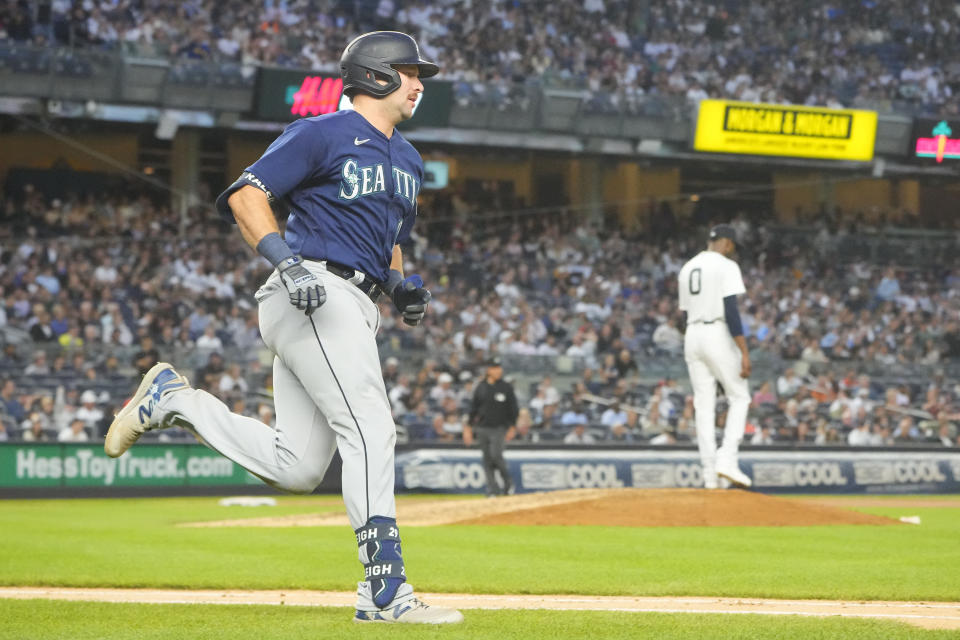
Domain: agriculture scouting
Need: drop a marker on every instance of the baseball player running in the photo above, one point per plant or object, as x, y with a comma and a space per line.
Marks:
349, 182
715, 350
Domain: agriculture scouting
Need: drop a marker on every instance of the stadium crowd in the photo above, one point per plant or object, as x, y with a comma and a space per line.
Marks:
843, 53
90, 297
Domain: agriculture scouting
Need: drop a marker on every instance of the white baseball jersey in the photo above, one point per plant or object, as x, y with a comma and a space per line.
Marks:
704, 281
712, 356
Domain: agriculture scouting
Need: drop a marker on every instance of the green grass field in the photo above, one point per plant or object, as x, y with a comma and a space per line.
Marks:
135, 543
97, 621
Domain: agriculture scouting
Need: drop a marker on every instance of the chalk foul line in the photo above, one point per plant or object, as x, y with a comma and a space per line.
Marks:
932, 615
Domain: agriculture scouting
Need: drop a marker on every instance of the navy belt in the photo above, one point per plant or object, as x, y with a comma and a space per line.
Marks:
706, 321
357, 278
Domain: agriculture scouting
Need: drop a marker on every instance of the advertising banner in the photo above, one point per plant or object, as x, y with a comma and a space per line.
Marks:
461, 471
936, 140
66, 465
283, 95
785, 130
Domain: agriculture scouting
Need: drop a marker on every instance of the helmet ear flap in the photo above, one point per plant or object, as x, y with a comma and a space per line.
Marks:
372, 57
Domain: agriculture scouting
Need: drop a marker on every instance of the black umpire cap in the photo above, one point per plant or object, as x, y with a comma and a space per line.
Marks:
723, 231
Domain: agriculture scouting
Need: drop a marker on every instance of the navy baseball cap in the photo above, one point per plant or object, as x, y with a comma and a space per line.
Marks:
494, 362
723, 231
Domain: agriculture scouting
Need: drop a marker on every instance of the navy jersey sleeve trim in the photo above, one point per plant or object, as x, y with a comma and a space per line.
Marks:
732, 316
223, 207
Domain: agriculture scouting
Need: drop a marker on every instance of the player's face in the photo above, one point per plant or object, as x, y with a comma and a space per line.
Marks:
727, 247
405, 98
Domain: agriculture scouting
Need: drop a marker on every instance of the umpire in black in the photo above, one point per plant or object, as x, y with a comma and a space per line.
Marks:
493, 413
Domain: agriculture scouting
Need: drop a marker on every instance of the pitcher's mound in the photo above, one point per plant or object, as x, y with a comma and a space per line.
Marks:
602, 507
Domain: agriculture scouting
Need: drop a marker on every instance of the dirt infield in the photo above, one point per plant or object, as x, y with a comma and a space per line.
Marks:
872, 502
929, 615
605, 507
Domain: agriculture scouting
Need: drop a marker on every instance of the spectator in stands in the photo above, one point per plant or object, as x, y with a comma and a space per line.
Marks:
538, 404
419, 422
807, 303
889, 287
620, 433
443, 389
391, 371
43, 407
656, 420
449, 426
614, 417
906, 431
76, 432
666, 437
581, 347
109, 368
88, 412
41, 331
763, 435
524, 432
625, 364
579, 435
764, 395
813, 352
946, 433
232, 381
625, 52
10, 402
32, 430
59, 322
147, 356
210, 373
550, 393
39, 365
209, 341
576, 414
398, 395
592, 384
788, 384
860, 436
667, 337
73, 338
266, 415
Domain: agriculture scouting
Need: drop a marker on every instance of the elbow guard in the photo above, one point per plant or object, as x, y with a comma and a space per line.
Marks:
732, 315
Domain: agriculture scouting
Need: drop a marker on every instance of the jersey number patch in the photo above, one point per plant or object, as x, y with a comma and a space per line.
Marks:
694, 283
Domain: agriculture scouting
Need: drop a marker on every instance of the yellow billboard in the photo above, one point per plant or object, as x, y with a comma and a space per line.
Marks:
785, 130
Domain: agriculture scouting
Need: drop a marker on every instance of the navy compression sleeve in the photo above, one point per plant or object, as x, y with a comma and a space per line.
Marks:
732, 316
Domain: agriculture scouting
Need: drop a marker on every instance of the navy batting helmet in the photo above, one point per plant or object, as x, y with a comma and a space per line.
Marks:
373, 56
724, 231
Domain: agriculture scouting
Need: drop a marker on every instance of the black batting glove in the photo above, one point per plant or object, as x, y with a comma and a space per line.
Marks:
411, 299
306, 292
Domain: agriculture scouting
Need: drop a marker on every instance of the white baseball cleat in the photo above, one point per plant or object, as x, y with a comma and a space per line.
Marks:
412, 611
405, 608
710, 479
733, 474
139, 415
